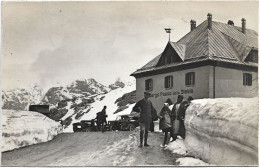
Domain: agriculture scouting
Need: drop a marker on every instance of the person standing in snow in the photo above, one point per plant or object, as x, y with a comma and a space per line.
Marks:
165, 123
146, 109
187, 102
103, 118
177, 114
182, 126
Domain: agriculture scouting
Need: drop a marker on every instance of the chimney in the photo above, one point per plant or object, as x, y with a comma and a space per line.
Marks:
209, 21
192, 25
230, 22
243, 25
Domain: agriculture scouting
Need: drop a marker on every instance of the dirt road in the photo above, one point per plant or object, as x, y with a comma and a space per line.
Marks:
92, 149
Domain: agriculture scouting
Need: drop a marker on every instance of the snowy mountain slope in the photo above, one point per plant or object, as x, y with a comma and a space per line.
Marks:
109, 100
21, 98
125, 100
23, 128
82, 99
71, 107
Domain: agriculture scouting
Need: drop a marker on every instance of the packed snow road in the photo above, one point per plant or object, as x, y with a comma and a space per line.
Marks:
92, 149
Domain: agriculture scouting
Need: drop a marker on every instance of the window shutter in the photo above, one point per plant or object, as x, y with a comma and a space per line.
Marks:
193, 78
186, 79
165, 82
244, 79
171, 81
151, 84
250, 79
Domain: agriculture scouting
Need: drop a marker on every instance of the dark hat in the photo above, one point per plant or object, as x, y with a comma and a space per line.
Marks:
147, 93
190, 98
180, 96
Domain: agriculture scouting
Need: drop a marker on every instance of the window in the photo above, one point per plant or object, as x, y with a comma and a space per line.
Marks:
168, 59
168, 82
252, 56
247, 79
190, 78
148, 84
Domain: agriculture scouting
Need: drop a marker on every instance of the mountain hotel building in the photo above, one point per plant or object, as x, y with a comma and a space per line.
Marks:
213, 60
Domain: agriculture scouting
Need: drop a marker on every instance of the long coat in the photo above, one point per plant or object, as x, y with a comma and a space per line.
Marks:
165, 121
177, 117
146, 110
103, 116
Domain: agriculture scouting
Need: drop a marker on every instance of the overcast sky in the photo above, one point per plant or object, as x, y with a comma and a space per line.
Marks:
45, 42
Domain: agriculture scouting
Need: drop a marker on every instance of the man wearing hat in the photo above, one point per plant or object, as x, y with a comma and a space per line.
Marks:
147, 111
177, 115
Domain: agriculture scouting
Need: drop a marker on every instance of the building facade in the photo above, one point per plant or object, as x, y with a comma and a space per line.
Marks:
213, 60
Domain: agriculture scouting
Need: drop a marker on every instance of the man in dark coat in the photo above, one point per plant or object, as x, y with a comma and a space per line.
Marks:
182, 126
146, 110
103, 118
177, 116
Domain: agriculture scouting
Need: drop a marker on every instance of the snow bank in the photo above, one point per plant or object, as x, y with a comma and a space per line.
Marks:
177, 147
23, 128
223, 131
188, 161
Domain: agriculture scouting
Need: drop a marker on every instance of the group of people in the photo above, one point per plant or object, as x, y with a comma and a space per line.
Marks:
171, 121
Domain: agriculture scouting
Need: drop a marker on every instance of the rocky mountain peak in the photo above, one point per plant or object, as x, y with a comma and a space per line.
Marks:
21, 98
91, 80
80, 88
117, 84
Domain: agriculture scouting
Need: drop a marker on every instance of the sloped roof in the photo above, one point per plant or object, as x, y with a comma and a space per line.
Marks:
179, 48
224, 42
239, 48
152, 63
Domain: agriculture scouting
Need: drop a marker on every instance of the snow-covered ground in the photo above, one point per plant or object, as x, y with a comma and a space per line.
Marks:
23, 128
109, 101
179, 147
221, 131
188, 161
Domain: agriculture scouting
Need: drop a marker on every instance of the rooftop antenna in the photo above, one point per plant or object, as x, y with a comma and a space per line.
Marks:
168, 30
